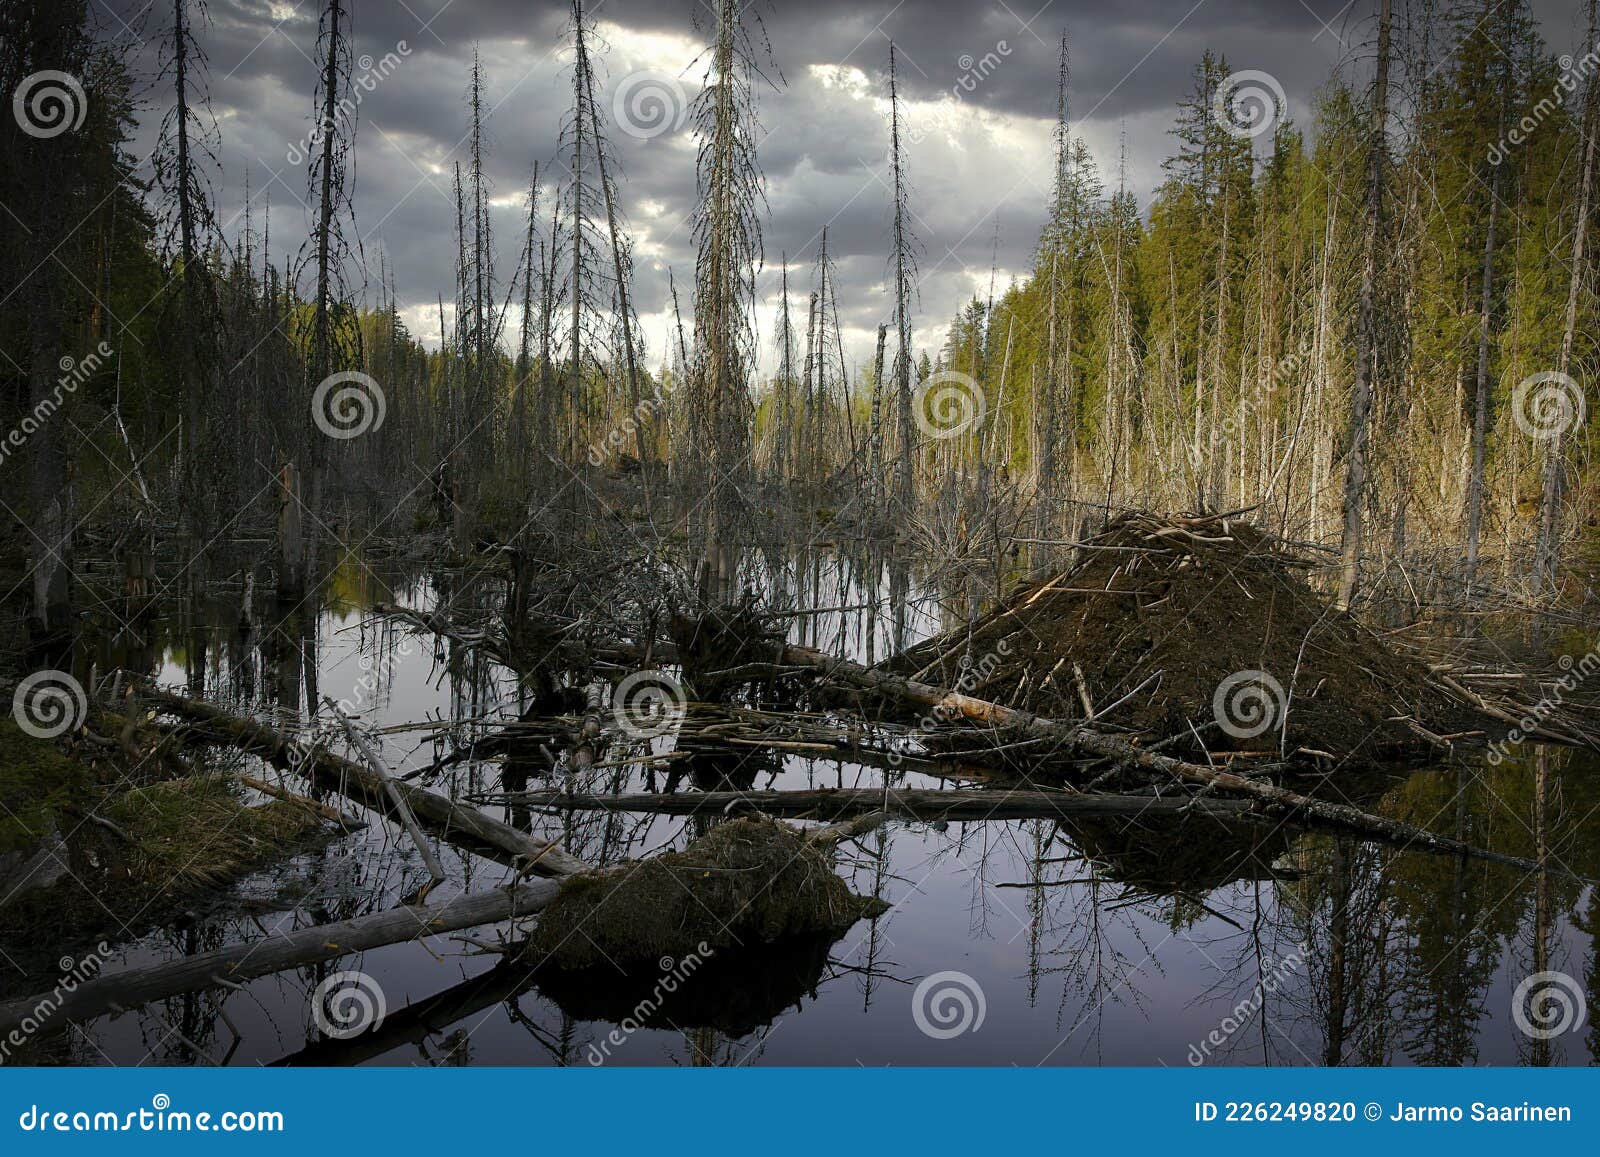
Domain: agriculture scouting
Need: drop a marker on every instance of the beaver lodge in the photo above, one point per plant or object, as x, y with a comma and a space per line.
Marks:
1202, 631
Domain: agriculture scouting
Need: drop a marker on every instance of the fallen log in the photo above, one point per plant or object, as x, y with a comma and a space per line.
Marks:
443, 817
589, 734
240, 962
397, 801
1076, 738
916, 804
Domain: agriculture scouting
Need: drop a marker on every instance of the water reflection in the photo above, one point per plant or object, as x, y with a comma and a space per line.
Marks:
1173, 939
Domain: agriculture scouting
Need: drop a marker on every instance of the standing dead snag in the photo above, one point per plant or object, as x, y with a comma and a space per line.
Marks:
904, 260
621, 262
1484, 386
1547, 548
1366, 328
335, 338
727, 231
184, 150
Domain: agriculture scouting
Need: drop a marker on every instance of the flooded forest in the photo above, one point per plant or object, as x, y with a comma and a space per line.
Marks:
1183, 651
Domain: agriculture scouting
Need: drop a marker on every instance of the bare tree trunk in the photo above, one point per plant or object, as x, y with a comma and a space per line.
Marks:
1480, 413
619, 259
903, 274
1355, 480
1547, 555
876, 481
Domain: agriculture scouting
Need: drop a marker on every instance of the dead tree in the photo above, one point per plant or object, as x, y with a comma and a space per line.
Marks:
621, 262
902, 258
335, 339
532, 275
1355, 481
783, 402
585, 286
481, 337
1547, 554
727, 231
184, 153
44, 186
1480, 410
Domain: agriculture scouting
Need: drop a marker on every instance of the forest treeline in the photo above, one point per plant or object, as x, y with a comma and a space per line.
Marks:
1376, 329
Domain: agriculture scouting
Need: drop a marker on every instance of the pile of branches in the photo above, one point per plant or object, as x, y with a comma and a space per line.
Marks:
1204, 630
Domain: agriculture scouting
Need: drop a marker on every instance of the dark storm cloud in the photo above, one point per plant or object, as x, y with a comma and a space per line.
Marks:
979, 76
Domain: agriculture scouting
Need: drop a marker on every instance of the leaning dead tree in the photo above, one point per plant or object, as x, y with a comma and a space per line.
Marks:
621, 249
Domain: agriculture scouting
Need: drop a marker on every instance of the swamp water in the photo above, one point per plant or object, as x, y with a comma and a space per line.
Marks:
1166, 942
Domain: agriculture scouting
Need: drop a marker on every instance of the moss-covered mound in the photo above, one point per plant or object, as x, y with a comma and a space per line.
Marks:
751, 881
152, 854
196, 833
37, 784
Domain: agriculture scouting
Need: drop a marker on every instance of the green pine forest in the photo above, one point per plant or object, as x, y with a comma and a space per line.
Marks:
1332, 323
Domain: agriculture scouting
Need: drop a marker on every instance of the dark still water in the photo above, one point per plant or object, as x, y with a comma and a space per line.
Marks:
1174, 941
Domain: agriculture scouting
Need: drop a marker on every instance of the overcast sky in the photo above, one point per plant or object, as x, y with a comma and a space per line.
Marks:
978, 78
